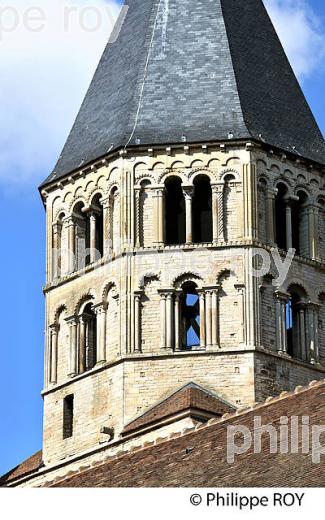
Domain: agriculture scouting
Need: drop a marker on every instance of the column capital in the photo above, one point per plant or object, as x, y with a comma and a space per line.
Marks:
166, 292
71, 320
217, 187
99, 308
188, 191
313, 306
54, 328
282, 295
211, 288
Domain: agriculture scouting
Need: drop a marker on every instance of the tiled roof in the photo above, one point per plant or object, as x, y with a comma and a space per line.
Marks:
206, 70
191, 397
27, 467
198, 458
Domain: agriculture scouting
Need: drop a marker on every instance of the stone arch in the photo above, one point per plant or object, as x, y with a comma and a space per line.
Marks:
77, 201
147, 277
112, 285
144, 177
168, 173
233, 161
229, 171
83, 302
186, 277
158, 165
95, 191
177, 164
213, 163
59, 310
197, 163
300, 286
200, 171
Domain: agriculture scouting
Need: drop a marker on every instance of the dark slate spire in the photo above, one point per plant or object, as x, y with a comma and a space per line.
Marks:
203, 69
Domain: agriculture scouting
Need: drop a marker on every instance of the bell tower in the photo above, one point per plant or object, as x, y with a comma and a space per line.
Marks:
194, 156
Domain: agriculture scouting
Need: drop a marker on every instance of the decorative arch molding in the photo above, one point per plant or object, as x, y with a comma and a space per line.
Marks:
297, 282
111, 172
111, 186
168, 173
143, 177
196, 163
264, 178
213, 163
59, 310
229, 171
201, 171
303, 187
232, 161
177, 164
148, 277
321, 296
226, 271
184, 277
82, 302
288, 172
108, 287
275, 168
75, 202
287, 182
158, 166
261, 164
93, 193
59, 211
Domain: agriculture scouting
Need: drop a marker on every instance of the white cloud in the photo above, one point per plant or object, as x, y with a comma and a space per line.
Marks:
301, 33
44, 76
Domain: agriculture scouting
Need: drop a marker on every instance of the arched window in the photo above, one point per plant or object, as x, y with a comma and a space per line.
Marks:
174, 212
88, 338
230, 209
97, 214
190, 316
280, 216
82, 236
321, 228
114, 231
296, 323
202, 210
300, 225
145, 212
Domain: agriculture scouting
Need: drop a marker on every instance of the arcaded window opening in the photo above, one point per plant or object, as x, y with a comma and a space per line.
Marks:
202, 210
300, 225
296, 324
88, 340
280, 216
190, 316
174, 212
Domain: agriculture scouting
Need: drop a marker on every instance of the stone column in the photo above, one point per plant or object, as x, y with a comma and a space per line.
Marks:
54, 331
137, 195
312, 336
100, 311
202, 319
82, 344
302, 328
288, 226
169, 320
92, 218
208, 317
107, 216
250, 200
73, 324
56, 250
163, 298
71, 226
158, 215
216, 209
214, 320
137, 321
270, 215
177, 315
188, 193
313, 243
281, 322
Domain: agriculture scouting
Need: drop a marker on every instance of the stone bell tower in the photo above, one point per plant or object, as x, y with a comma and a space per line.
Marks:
193, 149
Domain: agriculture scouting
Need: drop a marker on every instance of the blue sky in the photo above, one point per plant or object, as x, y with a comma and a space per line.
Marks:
44, 75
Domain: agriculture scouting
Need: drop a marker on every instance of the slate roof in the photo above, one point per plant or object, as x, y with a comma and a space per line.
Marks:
202, 69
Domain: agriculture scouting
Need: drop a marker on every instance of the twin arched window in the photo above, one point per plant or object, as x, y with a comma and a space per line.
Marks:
188, 211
